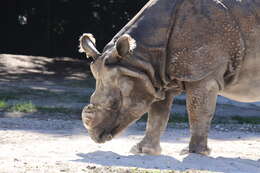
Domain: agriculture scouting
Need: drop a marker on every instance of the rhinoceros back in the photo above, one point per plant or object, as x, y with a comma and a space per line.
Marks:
206, 36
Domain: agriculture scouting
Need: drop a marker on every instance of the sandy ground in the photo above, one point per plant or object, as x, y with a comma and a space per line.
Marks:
31, 145
40, 143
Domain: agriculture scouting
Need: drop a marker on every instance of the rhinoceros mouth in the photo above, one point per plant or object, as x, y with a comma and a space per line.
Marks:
103, 135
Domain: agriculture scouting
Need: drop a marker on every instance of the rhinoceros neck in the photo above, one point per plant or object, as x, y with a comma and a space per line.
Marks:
151, 28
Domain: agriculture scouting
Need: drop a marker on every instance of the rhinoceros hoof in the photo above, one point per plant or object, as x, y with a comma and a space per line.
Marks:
146, 149
202, 151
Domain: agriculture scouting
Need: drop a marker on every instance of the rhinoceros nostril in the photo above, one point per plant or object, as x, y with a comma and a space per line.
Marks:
88, 120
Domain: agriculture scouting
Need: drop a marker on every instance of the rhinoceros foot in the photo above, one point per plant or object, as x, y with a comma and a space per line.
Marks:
202, 151
145, 148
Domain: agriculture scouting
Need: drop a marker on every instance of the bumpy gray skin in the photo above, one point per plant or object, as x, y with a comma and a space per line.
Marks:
203, 48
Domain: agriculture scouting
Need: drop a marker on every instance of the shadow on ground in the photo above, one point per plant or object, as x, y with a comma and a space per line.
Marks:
192, 161
33, 68
58, 88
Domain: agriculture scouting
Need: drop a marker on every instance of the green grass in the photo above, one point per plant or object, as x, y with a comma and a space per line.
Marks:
26, 107
22, 95
29, 107
3, 104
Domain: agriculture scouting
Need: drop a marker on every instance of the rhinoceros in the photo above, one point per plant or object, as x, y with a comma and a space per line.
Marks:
203, 48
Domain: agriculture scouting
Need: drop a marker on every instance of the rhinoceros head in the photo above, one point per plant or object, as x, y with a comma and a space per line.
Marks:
122, 95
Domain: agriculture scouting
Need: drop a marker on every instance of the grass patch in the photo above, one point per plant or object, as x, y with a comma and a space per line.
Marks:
3, 104
26, 107
29, 107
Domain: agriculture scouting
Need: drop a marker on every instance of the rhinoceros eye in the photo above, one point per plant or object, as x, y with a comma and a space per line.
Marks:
111, 60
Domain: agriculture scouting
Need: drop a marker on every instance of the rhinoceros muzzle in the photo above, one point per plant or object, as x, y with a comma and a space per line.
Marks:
88, 117
100, 135
97, 126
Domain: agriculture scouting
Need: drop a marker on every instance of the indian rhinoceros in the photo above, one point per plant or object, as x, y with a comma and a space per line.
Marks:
203, 48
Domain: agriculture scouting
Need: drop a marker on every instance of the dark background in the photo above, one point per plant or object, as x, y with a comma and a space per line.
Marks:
52, 27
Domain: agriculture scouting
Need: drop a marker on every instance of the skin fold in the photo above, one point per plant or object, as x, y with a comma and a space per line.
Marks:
203, 48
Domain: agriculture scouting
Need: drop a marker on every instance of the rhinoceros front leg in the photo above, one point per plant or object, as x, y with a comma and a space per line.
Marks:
158, 117
201, 104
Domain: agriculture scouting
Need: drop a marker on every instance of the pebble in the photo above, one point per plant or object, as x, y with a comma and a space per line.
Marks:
91, 167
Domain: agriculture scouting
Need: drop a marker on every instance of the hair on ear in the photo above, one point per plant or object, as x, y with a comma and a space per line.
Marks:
125, 44
88, 46
85, 36
132, 43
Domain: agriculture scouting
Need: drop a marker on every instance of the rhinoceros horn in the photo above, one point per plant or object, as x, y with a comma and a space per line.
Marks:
88, 45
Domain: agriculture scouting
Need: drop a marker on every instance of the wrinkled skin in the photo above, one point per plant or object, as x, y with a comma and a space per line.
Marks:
203, 48
121, 96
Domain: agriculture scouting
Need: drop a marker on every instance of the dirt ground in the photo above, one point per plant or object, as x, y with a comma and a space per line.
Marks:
32, 145
53, 139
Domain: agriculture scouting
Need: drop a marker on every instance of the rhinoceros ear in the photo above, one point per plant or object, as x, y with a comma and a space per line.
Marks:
88, 45
124, 45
